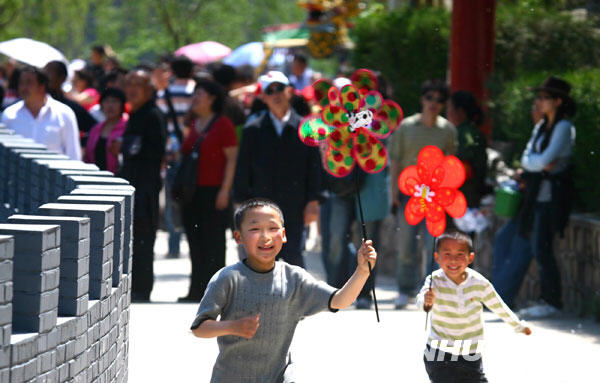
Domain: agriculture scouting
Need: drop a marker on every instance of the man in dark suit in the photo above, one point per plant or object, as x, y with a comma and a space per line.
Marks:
143, 150
273, 163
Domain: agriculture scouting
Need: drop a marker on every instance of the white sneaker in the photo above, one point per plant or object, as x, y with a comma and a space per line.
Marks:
401, 301
542, 310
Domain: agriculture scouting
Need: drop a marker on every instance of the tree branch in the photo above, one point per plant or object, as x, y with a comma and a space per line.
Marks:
166, 19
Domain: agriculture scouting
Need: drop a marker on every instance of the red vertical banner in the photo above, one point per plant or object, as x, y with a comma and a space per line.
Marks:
472, 48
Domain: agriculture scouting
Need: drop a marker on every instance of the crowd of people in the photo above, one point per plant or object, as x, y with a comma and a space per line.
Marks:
239, 131
141, 123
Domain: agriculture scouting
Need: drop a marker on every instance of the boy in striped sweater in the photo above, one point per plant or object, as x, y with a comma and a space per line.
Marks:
456, 299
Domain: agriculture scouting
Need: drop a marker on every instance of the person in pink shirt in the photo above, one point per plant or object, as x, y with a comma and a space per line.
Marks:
83, 91
103, 142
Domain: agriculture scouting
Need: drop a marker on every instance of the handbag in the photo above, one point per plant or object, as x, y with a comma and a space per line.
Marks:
186, 176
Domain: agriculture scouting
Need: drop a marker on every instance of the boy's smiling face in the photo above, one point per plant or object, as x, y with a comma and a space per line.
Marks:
262, 235
454, 257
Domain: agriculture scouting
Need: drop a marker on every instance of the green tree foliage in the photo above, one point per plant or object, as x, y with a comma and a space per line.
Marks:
534, 39
141, 29
408, 46
8, 11
58, 22
530, 38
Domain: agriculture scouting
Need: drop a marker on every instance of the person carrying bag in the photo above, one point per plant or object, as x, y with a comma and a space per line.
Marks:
203, 184
186, 177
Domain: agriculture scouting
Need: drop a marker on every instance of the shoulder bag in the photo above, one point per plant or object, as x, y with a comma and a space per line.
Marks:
186, 176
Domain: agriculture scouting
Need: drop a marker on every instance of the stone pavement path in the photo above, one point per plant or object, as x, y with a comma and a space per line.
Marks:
351, 346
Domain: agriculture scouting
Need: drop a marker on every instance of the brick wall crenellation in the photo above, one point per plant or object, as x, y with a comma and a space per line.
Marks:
65, 267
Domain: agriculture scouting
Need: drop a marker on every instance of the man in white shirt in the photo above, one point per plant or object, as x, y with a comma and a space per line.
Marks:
41, 118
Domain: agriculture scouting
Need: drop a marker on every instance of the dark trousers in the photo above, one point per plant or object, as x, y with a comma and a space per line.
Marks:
542, 237
338, 252
454, 369
512, 256
205, 230
291, 252
145, 224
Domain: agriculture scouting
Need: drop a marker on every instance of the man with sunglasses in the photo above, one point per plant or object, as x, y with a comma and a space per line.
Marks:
273, 163
415, 132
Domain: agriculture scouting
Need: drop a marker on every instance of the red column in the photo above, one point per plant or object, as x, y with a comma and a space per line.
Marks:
472, 47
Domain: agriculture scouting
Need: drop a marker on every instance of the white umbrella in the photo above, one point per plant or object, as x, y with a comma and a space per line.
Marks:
248, 54
32, 52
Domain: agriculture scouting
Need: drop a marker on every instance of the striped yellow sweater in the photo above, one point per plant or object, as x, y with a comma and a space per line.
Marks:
457, 315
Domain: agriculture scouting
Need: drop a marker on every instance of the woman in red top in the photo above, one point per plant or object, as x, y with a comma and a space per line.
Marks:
205, 218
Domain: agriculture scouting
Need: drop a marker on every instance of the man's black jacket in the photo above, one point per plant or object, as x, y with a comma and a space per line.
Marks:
282, 169
143, 147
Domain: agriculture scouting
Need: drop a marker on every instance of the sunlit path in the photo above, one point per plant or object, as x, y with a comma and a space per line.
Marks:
162, 348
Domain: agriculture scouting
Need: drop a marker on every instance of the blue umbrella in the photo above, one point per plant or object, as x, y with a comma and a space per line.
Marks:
251, 54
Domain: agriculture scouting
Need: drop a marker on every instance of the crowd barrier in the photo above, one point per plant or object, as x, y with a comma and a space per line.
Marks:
65, 267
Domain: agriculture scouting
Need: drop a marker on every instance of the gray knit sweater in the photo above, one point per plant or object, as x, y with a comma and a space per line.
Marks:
282, 296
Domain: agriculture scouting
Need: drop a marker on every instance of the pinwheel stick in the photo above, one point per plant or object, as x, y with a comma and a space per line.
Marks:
427, 308
364, 235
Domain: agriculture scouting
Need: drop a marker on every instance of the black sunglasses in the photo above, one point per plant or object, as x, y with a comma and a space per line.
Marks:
439, 100
274, 88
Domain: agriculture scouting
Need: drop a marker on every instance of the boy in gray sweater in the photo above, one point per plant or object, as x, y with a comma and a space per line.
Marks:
260, 300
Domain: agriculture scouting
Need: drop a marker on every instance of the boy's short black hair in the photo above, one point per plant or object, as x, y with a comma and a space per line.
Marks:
435, 85
240, 212
455, 235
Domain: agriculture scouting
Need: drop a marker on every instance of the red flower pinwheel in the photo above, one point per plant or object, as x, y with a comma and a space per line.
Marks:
432, 185
352, 122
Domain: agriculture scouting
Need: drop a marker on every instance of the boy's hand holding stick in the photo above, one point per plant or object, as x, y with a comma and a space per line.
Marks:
429, 300
345, 296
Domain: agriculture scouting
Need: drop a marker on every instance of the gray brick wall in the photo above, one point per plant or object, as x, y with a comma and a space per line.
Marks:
65, 272
119, 205
101, 241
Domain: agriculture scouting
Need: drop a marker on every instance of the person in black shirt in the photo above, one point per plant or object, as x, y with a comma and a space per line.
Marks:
273, 163
57, 74
143, 149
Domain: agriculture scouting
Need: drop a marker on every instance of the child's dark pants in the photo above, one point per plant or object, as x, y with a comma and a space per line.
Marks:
453, 369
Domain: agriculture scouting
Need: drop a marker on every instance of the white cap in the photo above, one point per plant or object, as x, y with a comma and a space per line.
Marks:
270, 77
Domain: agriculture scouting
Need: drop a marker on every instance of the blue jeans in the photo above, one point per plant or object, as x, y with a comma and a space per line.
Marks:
513, 253
511, 259
172, 215
409, 275
338, 251
337, 215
